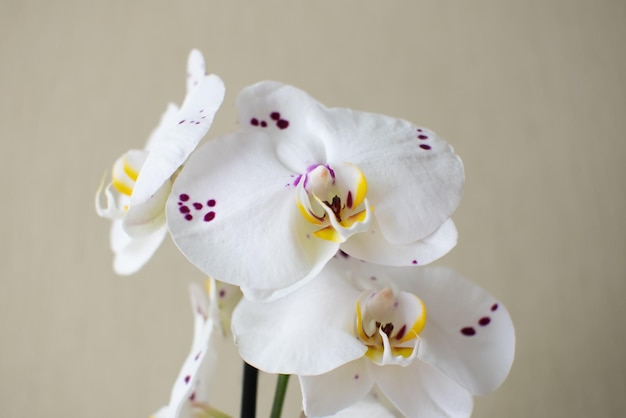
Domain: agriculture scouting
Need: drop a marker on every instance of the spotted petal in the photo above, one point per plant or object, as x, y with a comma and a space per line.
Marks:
415, 180
232, 213
181, 136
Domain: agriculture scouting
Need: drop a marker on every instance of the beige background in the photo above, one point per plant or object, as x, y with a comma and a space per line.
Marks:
532, 94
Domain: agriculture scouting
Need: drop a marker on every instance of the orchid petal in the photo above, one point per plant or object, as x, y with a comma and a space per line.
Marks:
201, 356
159, 134
195, 69
331, 392
469, 335
283, 336
370, 406
370, 246
232, 206
130, 253
420, 390
415, 184
145, 218
181, 137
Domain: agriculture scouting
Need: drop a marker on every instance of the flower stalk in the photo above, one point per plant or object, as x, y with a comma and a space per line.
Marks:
279, 395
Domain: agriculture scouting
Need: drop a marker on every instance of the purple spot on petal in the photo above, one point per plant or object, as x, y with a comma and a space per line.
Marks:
184, 197
263, 124
414, 262
222, 293
180, 203
192, 397
468, 331
419, 129
349, 200
297, 180
275, 115
197, 123
187, 378
197, 356
485, 320
209, 216
494, 307
184, 209
181, 122
282, 124
188, 217
422, 137
373, 278
197, 205
424, 146
356, 377
210, 203
254, 122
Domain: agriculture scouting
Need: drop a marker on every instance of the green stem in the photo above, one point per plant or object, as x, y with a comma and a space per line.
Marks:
279, 395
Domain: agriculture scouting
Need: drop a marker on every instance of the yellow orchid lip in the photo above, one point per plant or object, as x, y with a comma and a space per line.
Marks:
389, 324
333, 198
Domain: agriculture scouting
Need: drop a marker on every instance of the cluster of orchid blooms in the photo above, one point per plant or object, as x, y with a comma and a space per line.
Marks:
313, 225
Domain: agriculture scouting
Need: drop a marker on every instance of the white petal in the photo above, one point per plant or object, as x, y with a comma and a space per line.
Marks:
202, 346
331, 392
413, 190
195, 69
370, 407
420, 390
373, 247
307, 332
158, 135
180, 138
131, 254
241, 224
469, 335
149, 216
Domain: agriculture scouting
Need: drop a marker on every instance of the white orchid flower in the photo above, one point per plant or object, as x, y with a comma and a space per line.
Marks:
267, 207
426, 337
191, 393
141, 179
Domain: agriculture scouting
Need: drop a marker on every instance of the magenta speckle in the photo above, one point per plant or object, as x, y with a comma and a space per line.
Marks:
356, 377
189, 216
349, 199
197, 123
414, 262
282, 124
468, 331
197, 356
485, 320
494, 307
187, 378
181, 122
275, 115
192, 397
180, 203
197, 205
297, 180
254, 122
422, 137
222, 293
184, 197
209, 216
210, 203
184, 209
424, 146
419, 129
263, 124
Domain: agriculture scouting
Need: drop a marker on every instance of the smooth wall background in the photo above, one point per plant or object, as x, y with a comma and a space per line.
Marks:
531, 94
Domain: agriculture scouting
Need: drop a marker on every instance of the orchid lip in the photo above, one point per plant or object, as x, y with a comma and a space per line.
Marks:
389, 324
332, 198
